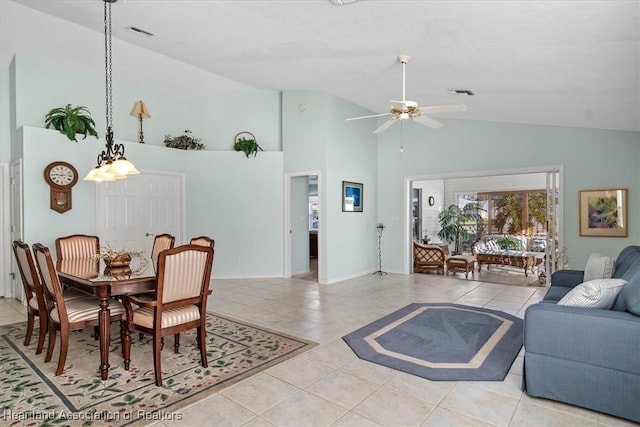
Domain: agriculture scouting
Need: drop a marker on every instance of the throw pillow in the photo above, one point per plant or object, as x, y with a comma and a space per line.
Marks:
600, 293
599, 267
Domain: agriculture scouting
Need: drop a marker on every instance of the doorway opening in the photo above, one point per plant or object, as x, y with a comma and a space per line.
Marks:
304, 219
524, 204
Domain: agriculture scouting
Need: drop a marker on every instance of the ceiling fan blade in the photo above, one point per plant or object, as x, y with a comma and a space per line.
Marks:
427, 121
443, 109
386, 125
368, 117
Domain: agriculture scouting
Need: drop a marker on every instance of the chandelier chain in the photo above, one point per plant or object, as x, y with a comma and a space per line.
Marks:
107, 64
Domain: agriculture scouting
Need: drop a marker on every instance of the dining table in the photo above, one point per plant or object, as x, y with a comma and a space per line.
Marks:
91, 275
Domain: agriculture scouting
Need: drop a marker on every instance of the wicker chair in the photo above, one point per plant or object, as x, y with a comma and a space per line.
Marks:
427, 258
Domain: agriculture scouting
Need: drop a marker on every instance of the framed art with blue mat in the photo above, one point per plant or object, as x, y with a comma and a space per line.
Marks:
442, 342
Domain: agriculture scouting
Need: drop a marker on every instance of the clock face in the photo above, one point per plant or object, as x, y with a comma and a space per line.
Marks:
61, 174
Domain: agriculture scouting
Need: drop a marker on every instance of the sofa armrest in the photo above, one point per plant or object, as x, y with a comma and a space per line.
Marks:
567, 278
603, 338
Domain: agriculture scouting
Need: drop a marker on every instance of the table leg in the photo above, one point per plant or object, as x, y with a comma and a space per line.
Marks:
104, 321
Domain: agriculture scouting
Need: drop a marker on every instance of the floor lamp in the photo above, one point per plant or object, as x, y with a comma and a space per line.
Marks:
380, 228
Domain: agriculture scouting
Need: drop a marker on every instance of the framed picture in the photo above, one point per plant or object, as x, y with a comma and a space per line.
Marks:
603, 213
351, 196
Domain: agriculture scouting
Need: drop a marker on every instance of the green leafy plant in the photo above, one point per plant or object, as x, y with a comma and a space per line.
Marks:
248, 146
508, 242
71, 120
459, 225
184, 142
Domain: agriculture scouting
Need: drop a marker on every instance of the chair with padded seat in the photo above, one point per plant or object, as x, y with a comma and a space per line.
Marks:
160, 243
77, 246
67, 315
36, 304
427, 258
180, 302
203, 241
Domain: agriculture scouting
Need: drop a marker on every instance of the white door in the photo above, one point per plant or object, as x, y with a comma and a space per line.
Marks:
130, 212
16, 225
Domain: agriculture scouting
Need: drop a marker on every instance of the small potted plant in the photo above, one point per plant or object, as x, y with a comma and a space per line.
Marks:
71, 120
184, 142
508, 243
247, 145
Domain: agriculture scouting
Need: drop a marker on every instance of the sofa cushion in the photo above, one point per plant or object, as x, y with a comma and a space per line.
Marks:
629, 298
599, 267
556, 293
599, 293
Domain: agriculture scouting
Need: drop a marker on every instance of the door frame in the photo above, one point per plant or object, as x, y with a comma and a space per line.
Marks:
408, 185
287, 222
6, 268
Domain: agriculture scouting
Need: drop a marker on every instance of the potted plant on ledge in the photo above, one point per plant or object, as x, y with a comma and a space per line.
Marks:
71, 120
247, 145
184, 142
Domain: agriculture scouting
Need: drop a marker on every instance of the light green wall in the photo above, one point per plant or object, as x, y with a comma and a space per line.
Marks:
236, 201
316, 137
42, 85
592, 159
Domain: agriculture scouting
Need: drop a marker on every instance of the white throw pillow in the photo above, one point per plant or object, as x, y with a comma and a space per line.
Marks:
600, 293
599, 267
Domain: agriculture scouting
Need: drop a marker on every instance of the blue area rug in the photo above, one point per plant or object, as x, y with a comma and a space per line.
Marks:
442, 342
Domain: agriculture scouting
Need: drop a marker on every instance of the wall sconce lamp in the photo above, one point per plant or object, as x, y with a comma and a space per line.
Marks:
140, 111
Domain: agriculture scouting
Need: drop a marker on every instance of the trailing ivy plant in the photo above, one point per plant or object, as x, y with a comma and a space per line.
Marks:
247, 145
71, 120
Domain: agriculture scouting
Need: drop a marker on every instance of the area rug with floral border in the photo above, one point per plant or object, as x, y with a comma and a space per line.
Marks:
30, 393
442, 342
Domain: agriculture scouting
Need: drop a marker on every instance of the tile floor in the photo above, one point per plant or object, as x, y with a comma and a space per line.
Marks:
330, 386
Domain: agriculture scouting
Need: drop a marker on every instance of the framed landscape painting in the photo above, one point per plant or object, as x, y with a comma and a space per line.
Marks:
351, 196
603, 213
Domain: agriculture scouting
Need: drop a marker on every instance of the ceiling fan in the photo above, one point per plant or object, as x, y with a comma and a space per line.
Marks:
409, 110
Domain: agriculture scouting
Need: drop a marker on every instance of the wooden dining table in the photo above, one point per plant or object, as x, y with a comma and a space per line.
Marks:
89, 275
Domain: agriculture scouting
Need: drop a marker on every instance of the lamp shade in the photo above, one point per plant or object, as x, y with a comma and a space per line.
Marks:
140, 110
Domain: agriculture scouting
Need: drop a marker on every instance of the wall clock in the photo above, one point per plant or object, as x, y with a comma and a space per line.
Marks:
61, 177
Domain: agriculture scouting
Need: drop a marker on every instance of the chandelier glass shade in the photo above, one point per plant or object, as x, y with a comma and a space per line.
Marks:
111, 163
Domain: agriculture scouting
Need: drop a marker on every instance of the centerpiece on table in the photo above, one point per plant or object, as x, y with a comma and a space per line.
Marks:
117, 262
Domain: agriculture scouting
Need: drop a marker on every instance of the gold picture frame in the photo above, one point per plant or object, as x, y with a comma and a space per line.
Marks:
603, 213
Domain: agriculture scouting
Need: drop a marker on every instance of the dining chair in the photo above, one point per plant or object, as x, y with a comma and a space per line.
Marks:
203, 241
180, 303
36, 305
160, 243
67, 315
77, 246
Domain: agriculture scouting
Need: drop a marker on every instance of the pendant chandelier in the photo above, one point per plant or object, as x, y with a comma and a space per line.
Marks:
111, 164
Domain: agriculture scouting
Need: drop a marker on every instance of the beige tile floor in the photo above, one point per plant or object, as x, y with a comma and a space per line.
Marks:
330, 386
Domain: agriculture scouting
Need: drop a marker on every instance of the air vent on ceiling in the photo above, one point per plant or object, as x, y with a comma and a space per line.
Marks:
342, 2
465, 92
140, 31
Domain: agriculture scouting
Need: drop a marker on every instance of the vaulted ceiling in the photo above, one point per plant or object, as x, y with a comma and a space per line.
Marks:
560, 63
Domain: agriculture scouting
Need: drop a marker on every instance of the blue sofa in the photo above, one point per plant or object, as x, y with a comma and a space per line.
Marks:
584, 356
